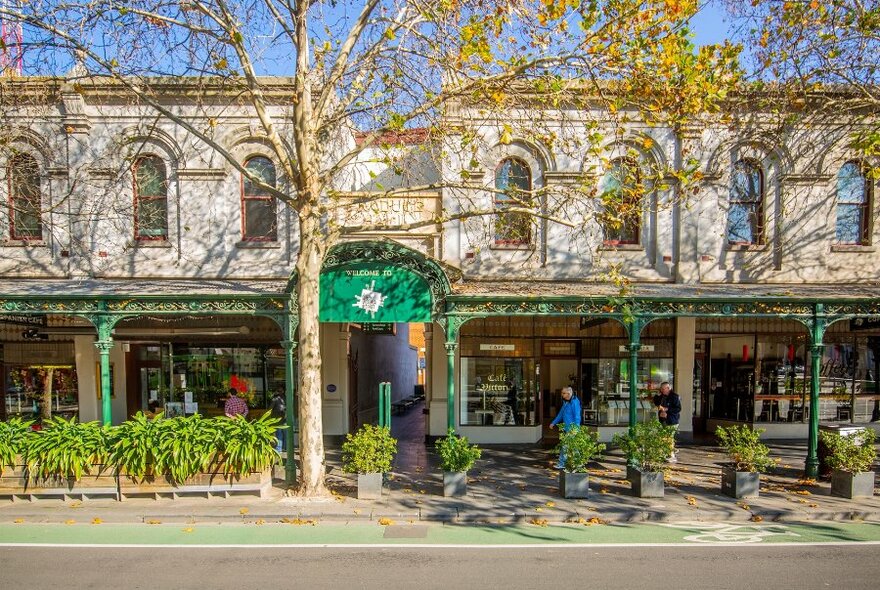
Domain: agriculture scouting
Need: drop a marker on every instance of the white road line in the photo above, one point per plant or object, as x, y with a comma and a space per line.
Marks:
426, 545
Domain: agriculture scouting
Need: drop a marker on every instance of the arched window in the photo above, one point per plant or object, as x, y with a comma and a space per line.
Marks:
25, 200
621, 192
853, 205
745, 217
258, 217
150, 199
513, 188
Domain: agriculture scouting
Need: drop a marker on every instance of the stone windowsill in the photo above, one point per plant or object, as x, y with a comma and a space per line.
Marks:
152, 244
248, 245
747, 247
512, 246
23, 243
853, 248
612, 247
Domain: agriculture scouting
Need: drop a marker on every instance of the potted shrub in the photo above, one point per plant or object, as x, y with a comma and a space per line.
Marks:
69, 457
578, 446
369, 453
850, 458
457, 457
646, 446
749, 457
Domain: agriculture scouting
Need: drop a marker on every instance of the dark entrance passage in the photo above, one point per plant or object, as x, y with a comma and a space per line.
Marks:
392, 353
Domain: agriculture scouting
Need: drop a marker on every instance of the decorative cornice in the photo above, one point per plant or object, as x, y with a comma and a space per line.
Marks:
153, 305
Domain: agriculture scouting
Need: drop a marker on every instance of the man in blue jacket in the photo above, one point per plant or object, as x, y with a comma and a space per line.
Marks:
569, 415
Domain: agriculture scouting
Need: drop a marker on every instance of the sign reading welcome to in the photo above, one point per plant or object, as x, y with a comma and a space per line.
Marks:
374, 292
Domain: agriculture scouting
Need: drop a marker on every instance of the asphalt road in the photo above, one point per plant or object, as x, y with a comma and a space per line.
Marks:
850, 567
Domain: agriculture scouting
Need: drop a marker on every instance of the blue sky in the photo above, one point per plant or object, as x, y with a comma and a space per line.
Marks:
709, 25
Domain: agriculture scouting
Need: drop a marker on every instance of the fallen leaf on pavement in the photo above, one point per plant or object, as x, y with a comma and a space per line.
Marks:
385, 521
538, 521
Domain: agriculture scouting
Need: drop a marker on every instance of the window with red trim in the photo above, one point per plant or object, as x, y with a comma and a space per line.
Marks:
150, 199
513, 189
258, 208
25, 221
621, 192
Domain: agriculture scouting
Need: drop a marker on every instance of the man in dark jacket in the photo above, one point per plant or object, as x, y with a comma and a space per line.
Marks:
668, 410
279, 410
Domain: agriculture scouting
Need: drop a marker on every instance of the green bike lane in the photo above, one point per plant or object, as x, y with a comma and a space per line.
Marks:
438, 535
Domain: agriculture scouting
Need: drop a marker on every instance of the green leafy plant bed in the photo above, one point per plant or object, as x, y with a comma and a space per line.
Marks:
194, 455
67, 458
142, 456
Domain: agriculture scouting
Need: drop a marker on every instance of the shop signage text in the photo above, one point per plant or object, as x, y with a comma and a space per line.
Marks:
497, 347
23, 320
642, 348
374, 292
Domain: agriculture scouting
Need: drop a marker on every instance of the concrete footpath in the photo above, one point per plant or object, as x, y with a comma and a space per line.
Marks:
510, 484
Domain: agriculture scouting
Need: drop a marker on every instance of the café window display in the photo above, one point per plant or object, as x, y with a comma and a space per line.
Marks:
848, 384
607, 400
497, 391
39, 392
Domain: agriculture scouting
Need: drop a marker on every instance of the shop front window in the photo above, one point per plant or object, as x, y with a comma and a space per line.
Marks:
36, 392
609, 404
781, 381
497, 392
198, 378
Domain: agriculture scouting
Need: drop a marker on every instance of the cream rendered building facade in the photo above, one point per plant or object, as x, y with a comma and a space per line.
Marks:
524, 312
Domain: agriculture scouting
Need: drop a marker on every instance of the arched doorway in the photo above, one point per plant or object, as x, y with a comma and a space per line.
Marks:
380, 295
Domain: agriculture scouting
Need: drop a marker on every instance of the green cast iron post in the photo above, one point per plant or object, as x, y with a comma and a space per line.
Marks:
104, 348
817, 332
290, 411
450, 382
635, 330
381, 419
387, 405
104, 344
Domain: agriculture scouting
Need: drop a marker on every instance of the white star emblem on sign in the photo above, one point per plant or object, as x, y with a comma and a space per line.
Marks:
369, 300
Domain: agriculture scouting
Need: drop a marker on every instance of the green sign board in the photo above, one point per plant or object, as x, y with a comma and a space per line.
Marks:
374, 292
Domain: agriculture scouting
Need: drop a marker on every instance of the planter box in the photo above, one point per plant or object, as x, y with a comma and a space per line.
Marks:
574, 485
646, 484
214, 483
369, 486
852, 485
739, 484
101, 482
454, 483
